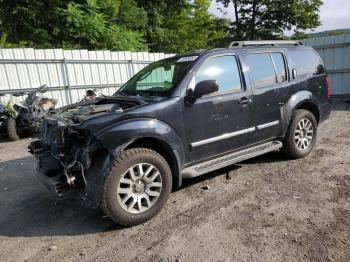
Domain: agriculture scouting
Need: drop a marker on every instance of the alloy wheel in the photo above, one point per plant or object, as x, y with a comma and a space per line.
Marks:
303, 134
139, 188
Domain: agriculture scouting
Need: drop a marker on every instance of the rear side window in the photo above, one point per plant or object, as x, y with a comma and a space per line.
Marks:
223, 69
262, 69
308, 63
280, 65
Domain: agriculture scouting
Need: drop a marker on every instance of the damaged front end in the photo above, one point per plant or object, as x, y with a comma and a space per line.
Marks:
69, 155
62, 156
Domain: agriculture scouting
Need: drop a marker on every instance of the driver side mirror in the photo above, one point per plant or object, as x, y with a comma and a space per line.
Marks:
205, 87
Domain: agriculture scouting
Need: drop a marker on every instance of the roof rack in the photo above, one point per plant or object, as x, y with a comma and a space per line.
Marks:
264, 43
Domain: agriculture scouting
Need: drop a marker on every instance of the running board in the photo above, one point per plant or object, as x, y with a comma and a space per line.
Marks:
226, 160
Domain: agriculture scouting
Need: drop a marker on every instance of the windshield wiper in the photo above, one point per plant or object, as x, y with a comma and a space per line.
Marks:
137, 93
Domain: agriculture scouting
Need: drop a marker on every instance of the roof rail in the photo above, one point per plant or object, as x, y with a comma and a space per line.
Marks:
264, 42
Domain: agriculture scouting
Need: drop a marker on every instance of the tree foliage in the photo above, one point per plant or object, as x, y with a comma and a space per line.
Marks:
186, 26
264, 19
155, 25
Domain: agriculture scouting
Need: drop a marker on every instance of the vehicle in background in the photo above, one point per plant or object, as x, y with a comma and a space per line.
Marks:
182, 117
30, 114
92, 94
7, 119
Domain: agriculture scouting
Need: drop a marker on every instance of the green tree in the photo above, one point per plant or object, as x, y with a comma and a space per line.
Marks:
264, 19
93, 24
87, 26
25, 22
182, 25
298, 35
155, 25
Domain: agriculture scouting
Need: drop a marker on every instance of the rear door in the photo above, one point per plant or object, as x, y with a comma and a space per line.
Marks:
269, 76
222, 121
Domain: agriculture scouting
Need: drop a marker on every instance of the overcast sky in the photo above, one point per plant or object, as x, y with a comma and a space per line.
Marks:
334, 14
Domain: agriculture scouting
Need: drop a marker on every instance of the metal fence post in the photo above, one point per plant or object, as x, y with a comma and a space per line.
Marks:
68, 86
131, 68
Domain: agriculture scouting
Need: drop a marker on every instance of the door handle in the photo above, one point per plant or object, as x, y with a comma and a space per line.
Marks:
244, 100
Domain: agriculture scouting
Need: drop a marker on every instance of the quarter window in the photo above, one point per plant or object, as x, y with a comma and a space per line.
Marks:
308, 63
223, 69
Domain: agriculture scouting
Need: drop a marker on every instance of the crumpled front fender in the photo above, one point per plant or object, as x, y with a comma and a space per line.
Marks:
117, 137
125, 132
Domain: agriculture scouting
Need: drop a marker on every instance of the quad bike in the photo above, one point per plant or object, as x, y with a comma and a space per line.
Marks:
30, 115
7, 120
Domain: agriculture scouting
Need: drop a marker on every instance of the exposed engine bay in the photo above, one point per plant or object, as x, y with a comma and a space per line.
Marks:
79, 112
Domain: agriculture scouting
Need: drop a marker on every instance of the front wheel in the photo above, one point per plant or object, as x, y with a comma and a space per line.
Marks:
137, 187
12, 129
301, 134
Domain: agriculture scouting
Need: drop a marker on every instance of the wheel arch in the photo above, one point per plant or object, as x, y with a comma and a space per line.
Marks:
303, 99
310, 106
142, 132
161, 147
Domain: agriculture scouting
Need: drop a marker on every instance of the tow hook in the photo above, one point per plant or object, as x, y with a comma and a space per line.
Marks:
70, 179
66, 168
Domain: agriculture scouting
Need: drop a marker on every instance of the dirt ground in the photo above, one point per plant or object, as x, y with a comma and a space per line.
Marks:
266, 209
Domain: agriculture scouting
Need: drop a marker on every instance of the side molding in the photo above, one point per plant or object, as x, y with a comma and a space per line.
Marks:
222, 137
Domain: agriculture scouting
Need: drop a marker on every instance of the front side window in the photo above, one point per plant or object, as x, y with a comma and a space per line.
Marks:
158, 78
223, 69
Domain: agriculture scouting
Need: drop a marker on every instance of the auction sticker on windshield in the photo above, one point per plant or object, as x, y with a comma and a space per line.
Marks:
187, 58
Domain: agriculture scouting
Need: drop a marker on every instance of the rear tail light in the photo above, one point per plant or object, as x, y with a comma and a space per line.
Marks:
328, 88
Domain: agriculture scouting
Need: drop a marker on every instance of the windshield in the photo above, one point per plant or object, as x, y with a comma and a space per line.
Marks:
159, 78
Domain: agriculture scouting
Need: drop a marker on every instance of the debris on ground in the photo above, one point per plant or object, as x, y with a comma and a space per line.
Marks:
206, 187
52, 248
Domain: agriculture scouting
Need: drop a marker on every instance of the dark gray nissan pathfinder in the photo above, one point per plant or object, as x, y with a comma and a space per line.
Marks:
182, 117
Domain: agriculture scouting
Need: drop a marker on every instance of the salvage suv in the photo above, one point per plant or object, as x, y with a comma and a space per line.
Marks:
182, 117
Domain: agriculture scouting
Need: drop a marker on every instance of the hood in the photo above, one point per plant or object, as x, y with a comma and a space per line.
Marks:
82, 111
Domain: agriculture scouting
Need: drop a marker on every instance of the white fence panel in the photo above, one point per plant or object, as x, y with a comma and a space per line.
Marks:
335, 53
68, 73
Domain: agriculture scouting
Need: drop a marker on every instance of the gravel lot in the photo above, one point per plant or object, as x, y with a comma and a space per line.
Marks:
265, 209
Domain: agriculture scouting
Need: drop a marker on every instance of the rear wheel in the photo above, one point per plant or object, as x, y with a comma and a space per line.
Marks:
11, 129
137, 187
301, 134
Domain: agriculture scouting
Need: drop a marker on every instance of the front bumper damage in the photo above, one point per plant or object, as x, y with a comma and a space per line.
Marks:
68, 160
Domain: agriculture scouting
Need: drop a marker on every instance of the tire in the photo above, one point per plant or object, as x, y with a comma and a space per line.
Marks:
120, 187
299, 142
11, 129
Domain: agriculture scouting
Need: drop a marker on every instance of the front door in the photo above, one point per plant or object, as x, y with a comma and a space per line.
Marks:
222, 121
